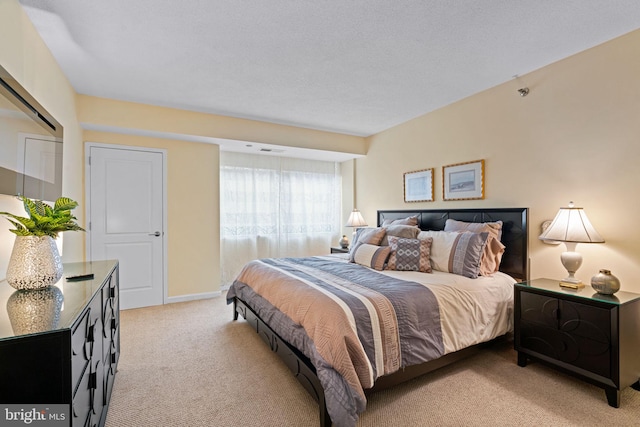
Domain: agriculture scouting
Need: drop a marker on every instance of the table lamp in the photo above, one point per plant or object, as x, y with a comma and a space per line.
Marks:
571, 226
355, 220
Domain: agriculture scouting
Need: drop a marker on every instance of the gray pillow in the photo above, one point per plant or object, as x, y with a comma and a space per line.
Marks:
402, 231
411, 220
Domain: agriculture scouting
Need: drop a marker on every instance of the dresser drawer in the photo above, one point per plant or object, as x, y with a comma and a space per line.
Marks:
89, 398
81, 402
110, 375
74, 362
80, 348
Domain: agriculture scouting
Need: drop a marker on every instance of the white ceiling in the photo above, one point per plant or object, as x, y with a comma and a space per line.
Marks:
350, 66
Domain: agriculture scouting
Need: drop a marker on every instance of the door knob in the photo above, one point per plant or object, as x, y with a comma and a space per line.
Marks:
157, 234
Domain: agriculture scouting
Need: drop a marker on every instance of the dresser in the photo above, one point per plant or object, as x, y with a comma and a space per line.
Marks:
60, 345
589, 335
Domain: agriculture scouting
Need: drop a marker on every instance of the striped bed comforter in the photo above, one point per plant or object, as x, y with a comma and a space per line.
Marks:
356, 324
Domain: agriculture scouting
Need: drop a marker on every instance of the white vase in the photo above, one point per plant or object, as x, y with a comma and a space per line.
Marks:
35, 263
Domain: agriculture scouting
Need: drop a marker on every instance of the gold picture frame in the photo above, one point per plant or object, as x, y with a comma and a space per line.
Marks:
463, 181
418, 186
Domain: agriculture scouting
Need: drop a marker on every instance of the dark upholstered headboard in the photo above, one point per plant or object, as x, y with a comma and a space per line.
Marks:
515, 232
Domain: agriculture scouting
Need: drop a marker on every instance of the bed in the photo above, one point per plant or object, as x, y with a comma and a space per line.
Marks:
328, 318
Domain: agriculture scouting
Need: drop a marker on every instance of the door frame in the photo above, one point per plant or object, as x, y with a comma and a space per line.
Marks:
87, 186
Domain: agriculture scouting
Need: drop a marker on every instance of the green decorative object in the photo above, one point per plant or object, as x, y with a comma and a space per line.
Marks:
43, 219
35, 262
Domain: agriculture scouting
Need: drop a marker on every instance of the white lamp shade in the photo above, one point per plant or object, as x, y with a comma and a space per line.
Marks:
356, 219
571, 225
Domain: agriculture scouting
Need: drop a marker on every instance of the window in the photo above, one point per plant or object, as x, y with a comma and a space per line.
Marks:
276, 207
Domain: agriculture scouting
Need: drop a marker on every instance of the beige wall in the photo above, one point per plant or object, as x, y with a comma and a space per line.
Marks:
129, 115
574, 137
193, 168
193, 174
25, 56
347, 173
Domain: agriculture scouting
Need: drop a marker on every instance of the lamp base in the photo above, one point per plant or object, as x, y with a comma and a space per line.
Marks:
571, 285
572, 261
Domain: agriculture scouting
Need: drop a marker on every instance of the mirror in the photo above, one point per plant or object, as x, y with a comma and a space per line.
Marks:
30, 144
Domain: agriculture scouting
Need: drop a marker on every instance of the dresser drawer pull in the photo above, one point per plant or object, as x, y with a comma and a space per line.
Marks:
93, 380
88, 344
91, 333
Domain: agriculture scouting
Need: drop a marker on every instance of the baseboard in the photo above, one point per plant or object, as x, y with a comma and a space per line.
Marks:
193, 297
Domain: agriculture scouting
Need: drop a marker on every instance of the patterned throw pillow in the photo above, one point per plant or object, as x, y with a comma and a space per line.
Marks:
409, 254
371, 255
456, 252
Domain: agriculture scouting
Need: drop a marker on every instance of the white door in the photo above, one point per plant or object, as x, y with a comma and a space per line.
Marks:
126, 218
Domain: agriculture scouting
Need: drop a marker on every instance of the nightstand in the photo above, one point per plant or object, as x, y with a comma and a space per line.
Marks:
585, 334
339, 250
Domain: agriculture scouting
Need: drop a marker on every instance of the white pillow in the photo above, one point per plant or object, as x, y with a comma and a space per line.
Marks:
371, 256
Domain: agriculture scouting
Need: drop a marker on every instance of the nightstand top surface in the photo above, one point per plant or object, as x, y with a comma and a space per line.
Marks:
587, 292
338, 249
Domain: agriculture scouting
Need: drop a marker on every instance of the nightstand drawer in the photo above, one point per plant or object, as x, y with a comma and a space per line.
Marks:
571, 332
590, 355
539, 309
570, 317
586, 321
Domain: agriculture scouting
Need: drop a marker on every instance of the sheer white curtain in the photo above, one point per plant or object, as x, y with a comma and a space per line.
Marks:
276, 207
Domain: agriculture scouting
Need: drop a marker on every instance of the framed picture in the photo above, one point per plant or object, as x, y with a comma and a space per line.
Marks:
463, 181
418, 186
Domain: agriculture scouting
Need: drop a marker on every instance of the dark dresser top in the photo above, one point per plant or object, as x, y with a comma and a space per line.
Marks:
53, 308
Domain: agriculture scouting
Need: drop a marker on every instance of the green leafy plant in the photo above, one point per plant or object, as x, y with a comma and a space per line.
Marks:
43, 219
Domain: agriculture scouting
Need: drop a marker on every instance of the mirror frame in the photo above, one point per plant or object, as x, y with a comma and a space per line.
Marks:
17, 95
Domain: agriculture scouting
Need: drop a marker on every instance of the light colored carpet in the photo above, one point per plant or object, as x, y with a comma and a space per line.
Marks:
189, 364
